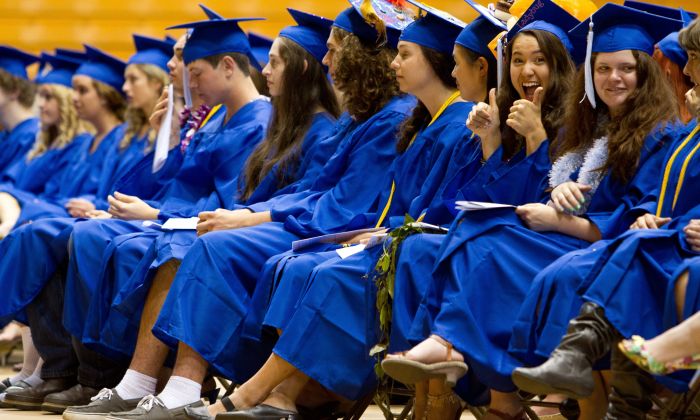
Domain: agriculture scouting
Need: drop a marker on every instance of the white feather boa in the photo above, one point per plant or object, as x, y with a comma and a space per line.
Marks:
586, 163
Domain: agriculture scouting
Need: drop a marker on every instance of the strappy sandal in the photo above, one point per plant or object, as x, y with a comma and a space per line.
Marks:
635, 350
411, 371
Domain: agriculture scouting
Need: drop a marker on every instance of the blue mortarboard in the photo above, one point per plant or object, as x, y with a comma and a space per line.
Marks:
311, 32
668, 45
210, 13
436, 29
545, 15
260, 46
215, 36
616, 28
76, 55
15, 61
152, 51
669, 12
394, 17
477, 35
57, 69
103, 67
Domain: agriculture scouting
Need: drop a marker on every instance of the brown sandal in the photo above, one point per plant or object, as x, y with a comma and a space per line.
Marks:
411, 371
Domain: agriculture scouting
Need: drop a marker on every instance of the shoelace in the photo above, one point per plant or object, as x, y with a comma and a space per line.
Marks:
150, 401
104, 394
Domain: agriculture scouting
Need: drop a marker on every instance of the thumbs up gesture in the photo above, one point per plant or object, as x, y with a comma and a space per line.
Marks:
484, 121
526, 119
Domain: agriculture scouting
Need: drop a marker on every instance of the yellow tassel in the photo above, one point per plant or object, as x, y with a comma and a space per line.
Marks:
371, 17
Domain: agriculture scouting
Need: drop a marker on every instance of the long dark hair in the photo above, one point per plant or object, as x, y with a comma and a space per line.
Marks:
651, 104
442, 65
364, 75
561, 71
304, 91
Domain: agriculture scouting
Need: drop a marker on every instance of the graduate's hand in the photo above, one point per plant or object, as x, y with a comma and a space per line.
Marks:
569, 196
692, 102
538, 217
484, 121
649, 221
98, 214
364, 237
129, 207
692, 234
222, 219
159, 111
77, 207
526, 119
5, 229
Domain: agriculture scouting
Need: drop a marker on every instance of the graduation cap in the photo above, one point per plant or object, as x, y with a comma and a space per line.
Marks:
215, 36
311, 32
57, 69
545, 15
478, 34
152, 51
669, 45
616, 28
15, 61
260, 46
435, 29
375, 21
103, 67
74, 54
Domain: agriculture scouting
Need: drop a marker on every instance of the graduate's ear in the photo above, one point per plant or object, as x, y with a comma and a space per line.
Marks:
228, 65
306, 66
483, 66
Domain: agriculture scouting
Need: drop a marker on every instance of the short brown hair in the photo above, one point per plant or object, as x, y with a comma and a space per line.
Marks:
242, 61
25, 89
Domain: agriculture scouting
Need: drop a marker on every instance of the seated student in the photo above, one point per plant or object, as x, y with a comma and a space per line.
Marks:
643, 263
274, 167
509, 247
366, 147
144, 80
62, 134
17, 118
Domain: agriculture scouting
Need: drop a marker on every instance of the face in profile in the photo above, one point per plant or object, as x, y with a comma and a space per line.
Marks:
274, 70
49, 108
413, 72
85, 98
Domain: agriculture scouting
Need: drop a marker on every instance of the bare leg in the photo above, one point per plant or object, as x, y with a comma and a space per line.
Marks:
150, 353
680, 341
190, 364
595, 406
285, 394
507, 403
432, 350
681, 287
256, 389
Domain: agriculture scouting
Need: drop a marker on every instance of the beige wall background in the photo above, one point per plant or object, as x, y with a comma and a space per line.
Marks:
36, 25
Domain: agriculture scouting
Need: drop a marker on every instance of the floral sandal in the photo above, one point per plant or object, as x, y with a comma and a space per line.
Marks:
634, 349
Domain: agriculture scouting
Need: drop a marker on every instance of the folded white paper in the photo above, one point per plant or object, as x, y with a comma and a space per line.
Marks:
177, 223
333, 238
348, 251
480, 205
163, 139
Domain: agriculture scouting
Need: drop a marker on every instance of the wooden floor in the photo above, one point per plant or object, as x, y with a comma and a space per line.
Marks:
372, 413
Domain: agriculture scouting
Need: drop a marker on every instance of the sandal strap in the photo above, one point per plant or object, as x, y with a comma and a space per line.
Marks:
505, 416
445, 343
228, 404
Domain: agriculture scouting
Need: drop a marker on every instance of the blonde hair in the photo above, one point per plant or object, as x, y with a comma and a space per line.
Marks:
136, 119
68, 127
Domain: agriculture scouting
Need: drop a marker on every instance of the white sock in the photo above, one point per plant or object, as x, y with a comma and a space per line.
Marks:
136, 385
180, 391
35, 378
30, 359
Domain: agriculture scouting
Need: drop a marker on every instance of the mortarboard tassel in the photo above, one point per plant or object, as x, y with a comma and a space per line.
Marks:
187, 93
370, 15
499, 62
588, 71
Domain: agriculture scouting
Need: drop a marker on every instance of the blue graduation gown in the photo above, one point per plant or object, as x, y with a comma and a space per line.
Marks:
321, 315
418, 174
213, 159
32, 251
638, 263
33, 175
226, 277
15, 144
497, 246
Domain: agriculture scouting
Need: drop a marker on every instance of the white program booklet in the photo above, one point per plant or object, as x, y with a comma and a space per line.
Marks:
178, 223
480, 205
163, 139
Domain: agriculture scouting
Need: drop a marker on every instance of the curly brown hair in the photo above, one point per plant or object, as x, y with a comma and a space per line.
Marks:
561, 71
305, 89
627, 132
364, 75
441, 65
25, 89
